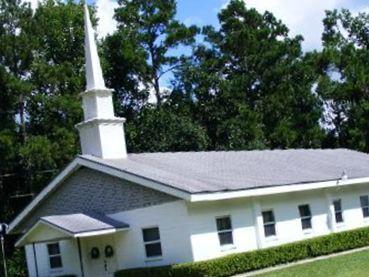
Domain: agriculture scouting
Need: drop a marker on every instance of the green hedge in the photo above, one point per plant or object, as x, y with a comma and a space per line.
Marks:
258, 259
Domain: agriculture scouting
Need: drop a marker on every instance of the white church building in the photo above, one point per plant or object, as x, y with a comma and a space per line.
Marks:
109, 210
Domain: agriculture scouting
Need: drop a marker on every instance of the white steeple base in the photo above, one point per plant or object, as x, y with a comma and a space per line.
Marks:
103, 138
101, 133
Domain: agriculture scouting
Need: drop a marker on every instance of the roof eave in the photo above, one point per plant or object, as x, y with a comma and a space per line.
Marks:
99, 232
213, 196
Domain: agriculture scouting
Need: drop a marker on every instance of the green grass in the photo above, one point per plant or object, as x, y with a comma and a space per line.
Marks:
355, 264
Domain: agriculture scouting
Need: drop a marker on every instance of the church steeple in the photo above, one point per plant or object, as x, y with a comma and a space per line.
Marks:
101, 133
94, 77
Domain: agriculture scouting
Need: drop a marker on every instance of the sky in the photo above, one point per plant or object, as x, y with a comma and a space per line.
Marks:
301, 16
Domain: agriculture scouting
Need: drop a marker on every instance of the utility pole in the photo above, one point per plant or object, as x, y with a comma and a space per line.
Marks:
3, 228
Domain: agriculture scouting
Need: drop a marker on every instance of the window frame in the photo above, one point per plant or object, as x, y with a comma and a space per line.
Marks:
364, 206
340, 211
269, 223
145, 243
57, 255
228, 245
305, 217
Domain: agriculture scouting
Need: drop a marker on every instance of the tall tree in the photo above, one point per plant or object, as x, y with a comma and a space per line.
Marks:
41, 73
15, 61
137, 57
163, 129
250, 84
344, 83
141, 51
57, 76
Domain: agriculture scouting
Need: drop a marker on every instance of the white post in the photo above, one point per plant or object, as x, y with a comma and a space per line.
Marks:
258, 223
330, 212
4, 259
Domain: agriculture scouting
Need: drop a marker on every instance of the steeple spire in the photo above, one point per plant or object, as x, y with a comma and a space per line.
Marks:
94, 76
101, 133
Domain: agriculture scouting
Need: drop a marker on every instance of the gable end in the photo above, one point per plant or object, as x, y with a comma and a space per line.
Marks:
88, 190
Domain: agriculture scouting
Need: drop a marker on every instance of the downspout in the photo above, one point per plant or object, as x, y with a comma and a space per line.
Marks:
80, 257
35, 258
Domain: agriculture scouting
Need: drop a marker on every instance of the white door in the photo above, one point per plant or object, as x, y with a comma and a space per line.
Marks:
101, 262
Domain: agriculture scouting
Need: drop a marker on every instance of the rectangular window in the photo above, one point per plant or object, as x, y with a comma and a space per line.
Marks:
269, 223
338, 210
364, 202
224, 227
305, 215
55, 259
152, 242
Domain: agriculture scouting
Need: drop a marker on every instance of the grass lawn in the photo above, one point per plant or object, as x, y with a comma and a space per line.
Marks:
355, 264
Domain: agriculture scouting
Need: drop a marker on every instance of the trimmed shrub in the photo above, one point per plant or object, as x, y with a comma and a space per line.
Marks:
258, 259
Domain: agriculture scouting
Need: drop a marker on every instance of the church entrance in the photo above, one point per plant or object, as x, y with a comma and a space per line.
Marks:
100, 256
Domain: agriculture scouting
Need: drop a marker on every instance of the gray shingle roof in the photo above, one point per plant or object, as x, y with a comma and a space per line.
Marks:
82, 223
198, 172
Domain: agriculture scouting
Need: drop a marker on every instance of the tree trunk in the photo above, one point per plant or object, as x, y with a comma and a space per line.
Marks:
22, 119
157, 91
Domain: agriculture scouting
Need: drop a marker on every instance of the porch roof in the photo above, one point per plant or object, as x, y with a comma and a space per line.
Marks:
59, 227
80, 223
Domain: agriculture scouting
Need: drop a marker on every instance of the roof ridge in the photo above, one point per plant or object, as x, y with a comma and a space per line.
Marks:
245, 150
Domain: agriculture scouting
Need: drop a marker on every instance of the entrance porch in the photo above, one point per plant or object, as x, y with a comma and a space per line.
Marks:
73, 245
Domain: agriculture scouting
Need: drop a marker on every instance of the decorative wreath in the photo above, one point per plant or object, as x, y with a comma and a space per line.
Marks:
95, 253
109, 251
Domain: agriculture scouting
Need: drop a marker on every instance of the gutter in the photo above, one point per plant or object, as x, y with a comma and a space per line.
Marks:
199, 197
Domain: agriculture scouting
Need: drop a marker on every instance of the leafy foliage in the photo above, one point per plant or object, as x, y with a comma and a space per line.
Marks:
251, 85
15, 60
17, 264
344, 82
42, 74
162, 129
147, 32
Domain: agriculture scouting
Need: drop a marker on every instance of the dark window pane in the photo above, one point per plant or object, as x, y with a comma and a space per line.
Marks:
151, 234
153, 249
306, 223
337, 205
225, 238
366, 212
268, 216
304, 210
339, 217
224, 223
53, 249
364, 201
269, 230
55, 262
